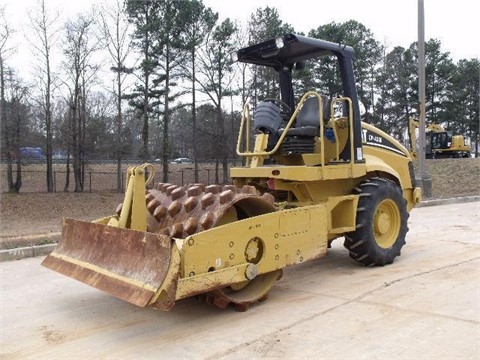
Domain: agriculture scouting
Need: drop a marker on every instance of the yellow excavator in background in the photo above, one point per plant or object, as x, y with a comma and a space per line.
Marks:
312, 175
439, 143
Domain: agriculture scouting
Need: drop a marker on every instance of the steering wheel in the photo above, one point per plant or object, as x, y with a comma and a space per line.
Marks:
283, 105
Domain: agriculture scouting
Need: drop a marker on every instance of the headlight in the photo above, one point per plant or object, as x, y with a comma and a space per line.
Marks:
279, 42
234, 56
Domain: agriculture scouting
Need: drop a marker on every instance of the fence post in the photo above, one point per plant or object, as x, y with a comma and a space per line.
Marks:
90, 179
54, 181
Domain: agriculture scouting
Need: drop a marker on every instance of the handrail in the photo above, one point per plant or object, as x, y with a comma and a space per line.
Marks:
245, 126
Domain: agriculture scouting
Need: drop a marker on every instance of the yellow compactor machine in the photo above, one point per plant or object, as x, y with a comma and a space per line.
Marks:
314, 173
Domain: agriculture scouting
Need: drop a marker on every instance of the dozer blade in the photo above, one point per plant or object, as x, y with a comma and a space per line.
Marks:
128, 264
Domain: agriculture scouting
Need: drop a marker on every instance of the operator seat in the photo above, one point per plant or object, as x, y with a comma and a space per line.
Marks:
301, 138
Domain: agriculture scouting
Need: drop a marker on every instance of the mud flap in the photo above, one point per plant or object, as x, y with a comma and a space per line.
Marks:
129, 264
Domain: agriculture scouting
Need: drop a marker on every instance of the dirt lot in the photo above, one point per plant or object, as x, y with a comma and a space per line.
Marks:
35, 218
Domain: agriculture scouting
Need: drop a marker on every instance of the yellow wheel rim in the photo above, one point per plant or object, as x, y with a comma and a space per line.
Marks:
386, 223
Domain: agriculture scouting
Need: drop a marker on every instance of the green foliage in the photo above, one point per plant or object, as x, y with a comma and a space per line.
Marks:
463, 90
368, 53
265, 24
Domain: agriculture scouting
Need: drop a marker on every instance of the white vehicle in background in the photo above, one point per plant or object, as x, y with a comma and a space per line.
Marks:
181, 161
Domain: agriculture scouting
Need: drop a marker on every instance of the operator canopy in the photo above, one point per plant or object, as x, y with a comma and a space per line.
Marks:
285, 51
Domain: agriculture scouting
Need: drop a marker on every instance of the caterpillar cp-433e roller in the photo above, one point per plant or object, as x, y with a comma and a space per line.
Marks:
312, 174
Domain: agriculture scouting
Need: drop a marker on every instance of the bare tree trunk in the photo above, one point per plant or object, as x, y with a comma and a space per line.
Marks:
67, 176
43, 36
145, 122
79, 50
217, 167
119, 127
3, 121
166, 118
194, 119
223, 146
221, 127
145, 109
17, 117
119, 132
115, 31
18, 180
67, 171
4, 36
48, 130
83, 123
76, 136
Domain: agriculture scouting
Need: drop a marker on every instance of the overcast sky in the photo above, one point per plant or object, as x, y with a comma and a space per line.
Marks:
393, 22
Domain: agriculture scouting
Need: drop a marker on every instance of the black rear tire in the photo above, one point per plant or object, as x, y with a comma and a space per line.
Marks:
381, 224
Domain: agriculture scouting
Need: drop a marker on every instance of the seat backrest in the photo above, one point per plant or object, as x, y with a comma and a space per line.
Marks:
309, 115
267, 116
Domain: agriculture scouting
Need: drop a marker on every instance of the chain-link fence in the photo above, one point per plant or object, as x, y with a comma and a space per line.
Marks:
100, 177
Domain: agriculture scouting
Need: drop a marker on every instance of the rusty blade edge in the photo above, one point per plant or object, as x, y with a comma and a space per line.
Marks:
130, 290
